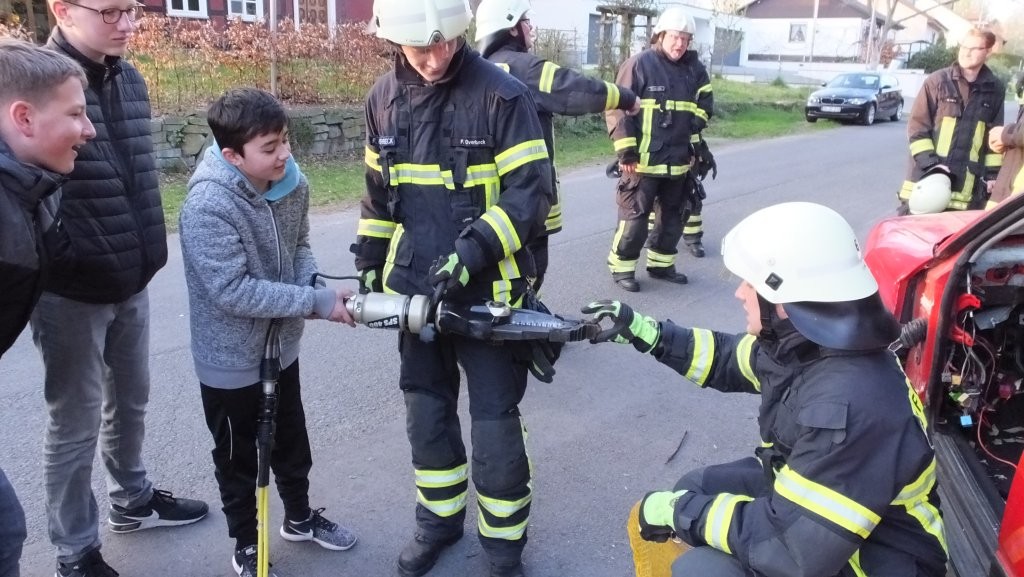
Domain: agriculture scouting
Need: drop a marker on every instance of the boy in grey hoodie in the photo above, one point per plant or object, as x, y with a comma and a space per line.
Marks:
245, 245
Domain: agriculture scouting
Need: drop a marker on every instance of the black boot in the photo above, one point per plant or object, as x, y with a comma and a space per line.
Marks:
626, 280
696, 249
506, 569
420, 554
667, 273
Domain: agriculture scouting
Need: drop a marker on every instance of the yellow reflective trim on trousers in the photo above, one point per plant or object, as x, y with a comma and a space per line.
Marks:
443, 508
703, 356
855, 565
389, 260
743, 353
993, 160
375, 228
829, 504
432, 479
719, 519
624, 143
372, 159
502, 508
611, 101
616, 264
501, 224
921, 145
660, 258
914, 498
554, 219
513, 533
520, 154
946, 129
547, 77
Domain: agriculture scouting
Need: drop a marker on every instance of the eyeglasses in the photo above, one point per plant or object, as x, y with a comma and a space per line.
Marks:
113, 15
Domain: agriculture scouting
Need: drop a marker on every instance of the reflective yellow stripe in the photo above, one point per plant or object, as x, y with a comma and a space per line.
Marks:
500, 222
519, 155
611, 101
433, 479
445, 507
945, 139
914, 498
375, 228
993, 160
501, 508
502, 65
660, 169
372, 159
616, 264
855, 565
705, 88
921, 145
719, 519
703, 356
743, 358
512, 533
425, 174
699, 113
694, 138
389, 260
648, 105
906, 190
554, 220
547, 77
829, 504
623, 143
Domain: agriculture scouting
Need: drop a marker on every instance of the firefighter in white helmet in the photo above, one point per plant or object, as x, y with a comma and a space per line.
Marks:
844, 481
458, 184
655, 148
505, 34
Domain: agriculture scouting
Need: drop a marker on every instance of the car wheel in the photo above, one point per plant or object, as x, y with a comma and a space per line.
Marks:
811, 118
898, 115
867, 118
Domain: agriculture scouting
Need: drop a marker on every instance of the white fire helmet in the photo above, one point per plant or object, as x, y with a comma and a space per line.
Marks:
931, 194
675, 18
497, 15
420, 22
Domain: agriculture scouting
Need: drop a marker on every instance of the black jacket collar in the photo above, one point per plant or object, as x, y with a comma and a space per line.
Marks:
26, 182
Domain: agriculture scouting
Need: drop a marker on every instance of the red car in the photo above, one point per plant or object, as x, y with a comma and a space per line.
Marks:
956, 282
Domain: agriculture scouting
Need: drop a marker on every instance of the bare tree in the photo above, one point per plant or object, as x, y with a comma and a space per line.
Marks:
726, 16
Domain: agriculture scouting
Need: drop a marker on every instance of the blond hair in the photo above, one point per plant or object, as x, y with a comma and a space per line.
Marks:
31, 73
982, 32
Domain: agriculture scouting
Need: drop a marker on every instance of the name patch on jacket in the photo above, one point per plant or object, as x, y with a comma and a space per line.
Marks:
655, 89
384, 141
472, 141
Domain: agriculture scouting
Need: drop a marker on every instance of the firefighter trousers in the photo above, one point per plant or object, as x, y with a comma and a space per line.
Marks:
496, 383
637, 197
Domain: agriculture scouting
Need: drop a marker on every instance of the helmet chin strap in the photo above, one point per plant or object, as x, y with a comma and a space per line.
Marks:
767, 319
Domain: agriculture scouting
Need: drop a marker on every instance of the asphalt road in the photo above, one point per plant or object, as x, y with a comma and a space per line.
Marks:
600, 435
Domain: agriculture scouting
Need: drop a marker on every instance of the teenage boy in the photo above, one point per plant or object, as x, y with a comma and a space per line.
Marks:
245, 246
92, 322
42, 125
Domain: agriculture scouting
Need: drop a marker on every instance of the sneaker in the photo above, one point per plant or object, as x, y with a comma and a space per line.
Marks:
244, 562
320, 531
91, 565
163, 510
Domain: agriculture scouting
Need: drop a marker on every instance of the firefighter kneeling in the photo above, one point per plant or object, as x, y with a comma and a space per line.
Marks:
844, 483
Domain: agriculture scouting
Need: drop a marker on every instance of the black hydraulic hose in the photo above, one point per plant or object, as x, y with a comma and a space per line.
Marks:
913, 333
270, 372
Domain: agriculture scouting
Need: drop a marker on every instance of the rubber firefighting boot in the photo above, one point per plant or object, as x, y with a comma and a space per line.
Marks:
420, 554
696, 249
667, 273
626, 280
506, 569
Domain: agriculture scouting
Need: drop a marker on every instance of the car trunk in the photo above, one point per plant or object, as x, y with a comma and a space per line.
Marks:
957, 282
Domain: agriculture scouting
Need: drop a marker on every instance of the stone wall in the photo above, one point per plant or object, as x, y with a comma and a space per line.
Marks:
180, 140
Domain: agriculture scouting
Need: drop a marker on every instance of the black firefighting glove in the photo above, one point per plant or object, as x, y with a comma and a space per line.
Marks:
448, 274
657, 515
371, 280
627, 327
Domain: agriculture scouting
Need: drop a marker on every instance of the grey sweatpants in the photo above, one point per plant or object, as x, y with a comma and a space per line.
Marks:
96, 387
12, 529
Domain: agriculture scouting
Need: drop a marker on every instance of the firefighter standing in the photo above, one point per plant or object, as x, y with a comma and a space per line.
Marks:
504, 35
948, 126
654, 148
845, 480
458, 176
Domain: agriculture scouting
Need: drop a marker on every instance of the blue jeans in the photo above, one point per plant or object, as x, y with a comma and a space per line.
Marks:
96, 358
12, 529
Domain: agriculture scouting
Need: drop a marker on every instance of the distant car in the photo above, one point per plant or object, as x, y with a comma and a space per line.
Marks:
860, 96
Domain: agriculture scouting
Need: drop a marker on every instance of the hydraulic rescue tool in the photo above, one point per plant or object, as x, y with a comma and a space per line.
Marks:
270, 372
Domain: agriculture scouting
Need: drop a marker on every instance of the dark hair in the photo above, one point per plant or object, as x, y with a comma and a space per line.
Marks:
242, 114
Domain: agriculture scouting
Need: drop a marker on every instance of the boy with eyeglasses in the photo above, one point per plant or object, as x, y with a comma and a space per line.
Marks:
91, 325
